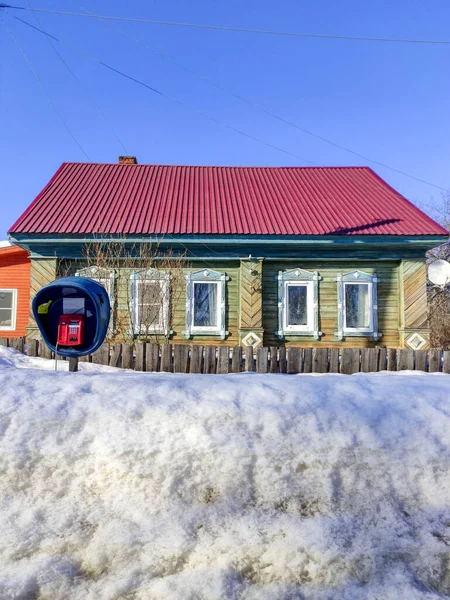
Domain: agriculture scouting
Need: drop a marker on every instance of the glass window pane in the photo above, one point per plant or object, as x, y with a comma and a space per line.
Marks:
151, 315
5, 317
297, 305
150, 299
150, 292
6, 299
205, 304
357, 306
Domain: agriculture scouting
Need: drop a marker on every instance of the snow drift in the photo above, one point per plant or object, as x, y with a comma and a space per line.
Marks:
116, 484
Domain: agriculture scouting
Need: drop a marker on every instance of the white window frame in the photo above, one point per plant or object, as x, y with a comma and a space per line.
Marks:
206, 276
358, 278
310, 280
150, 276
13, 325
368, 329
101, 275
309, 327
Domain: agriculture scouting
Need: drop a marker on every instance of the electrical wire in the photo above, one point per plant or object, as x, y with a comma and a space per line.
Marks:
269, 112
44, 89
83, 87
171, 98
237, 29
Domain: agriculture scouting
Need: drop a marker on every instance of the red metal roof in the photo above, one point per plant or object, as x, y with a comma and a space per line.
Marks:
85, 198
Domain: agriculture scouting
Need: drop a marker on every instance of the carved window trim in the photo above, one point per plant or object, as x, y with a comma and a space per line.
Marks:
143, 277
293, 277
359, 278
206, 276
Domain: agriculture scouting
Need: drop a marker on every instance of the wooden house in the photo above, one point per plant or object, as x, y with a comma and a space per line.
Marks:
303, 256
14, 290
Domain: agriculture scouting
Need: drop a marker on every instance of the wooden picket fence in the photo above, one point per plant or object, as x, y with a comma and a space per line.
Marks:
184, 358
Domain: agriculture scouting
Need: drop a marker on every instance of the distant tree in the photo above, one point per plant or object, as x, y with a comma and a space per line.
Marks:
144, 284
439, 299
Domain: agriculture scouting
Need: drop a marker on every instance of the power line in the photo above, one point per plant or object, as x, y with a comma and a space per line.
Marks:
269, 112
237, 29
36, 76
83, 87
171, 98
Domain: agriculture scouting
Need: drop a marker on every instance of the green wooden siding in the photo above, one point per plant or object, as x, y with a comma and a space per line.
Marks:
388, 302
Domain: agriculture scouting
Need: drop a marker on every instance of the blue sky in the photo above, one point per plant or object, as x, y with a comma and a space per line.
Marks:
389, 102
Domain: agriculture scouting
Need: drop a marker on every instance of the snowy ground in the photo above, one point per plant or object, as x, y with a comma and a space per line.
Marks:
116, 484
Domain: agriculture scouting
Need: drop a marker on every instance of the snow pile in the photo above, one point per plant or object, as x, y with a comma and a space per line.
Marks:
182, 487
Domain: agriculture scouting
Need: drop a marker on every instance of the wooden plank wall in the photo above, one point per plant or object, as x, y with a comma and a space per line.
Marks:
251, 310
415, 294
184, 358
42, 272
388, 302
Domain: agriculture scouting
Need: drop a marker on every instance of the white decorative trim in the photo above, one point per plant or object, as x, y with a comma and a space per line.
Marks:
416, 341
13, 325
143, 277
359, 278
299, 277
252, 339
206, 276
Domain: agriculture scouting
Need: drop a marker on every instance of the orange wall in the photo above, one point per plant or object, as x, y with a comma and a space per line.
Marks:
15, 274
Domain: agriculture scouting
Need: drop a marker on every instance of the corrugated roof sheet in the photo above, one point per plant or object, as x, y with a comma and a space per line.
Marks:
85, 198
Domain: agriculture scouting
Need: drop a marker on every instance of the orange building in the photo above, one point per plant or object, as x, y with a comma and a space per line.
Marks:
14, 290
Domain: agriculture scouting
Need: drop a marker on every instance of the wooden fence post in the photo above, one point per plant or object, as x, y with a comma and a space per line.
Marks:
166, 358
44, 350
382, 358
334, 360
249, 359
446, 363
320, 360
421, 360
127, 356
282, 359
210, 360
405, 361
434, 360
307, 360
180, 358
223, 360
262, 357
273, 359
17, 344
101, 356
116, 354
369, 360
392, 359
4, 341
32, 347
151, 357
350, 361
236, 359
294, 360
196, 359
139, 364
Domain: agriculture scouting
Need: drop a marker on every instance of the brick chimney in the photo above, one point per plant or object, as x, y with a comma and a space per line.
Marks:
127, 160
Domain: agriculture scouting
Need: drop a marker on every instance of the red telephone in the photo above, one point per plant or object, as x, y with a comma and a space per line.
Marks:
70, 330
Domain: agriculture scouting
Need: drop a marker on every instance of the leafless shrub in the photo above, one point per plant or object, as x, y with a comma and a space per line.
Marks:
144, 283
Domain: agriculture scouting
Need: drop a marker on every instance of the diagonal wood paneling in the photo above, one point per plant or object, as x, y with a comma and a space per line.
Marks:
251, 294
415, 294
42, 271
